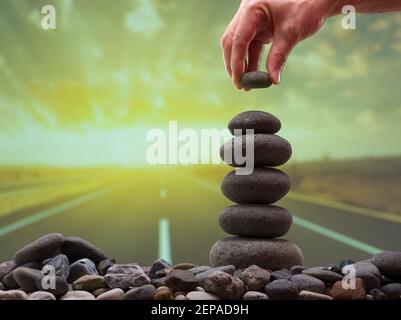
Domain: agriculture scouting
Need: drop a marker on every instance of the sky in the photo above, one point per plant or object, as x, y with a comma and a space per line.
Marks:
88, 92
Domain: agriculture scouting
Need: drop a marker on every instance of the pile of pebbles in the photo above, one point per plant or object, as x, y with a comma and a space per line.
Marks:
255, 222
85, 272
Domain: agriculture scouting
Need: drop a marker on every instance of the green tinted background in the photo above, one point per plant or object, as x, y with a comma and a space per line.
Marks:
85, 94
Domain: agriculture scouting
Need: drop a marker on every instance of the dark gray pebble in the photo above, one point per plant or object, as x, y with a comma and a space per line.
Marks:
255, 80
145, 292
158, 265
392, 291
76, 248
389, 263
81, 268
181, 280
45, 247
282, 289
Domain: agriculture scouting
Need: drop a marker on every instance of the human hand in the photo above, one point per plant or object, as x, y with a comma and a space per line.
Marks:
284, 23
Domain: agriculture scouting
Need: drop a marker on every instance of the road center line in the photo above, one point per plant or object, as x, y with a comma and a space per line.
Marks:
164, 240
359, 245
19, 224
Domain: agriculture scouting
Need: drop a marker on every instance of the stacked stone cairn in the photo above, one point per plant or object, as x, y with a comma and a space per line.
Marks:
254, 221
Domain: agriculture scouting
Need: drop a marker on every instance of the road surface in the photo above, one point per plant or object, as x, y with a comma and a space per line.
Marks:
123, 219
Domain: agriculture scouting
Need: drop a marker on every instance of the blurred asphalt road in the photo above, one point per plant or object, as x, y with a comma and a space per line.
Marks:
123, 220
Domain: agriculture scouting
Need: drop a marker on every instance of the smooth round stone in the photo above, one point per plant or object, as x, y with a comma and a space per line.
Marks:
338, 292
99, 291
255, 295
163, 293
9, 281
280, 274
76, 248
392, 291
57, 288
368, 272
113, 294
13, 295
255, 80
41, 295
272, 254
377, 294
199, 269
282, 289
181, 280
145, 292
255, 220
309, 295
308, 283
185, 266
45, 247
89, 283
258, 121
27, 278
322, 274
198, 295
77, 295
388, 262
6, 267
297, 270
268, 150
263, 186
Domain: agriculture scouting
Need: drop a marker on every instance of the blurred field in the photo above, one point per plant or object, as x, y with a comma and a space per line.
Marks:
373, 183
22, 188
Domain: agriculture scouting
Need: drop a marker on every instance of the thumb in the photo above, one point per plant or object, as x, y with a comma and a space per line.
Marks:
278, 55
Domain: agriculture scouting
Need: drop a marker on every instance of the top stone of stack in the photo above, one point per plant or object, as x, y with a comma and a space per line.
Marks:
259, 121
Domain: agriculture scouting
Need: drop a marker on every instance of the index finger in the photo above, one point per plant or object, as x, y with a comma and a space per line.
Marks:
243, 36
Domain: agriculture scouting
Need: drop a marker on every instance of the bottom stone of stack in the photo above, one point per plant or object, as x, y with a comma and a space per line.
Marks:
272, 254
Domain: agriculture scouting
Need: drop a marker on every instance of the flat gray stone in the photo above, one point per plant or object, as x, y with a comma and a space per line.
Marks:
256, 220
263, 186
258, 121
322, 274
268, 150
272, 254
308, 283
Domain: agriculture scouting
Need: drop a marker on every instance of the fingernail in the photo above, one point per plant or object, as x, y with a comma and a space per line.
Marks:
279, 78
